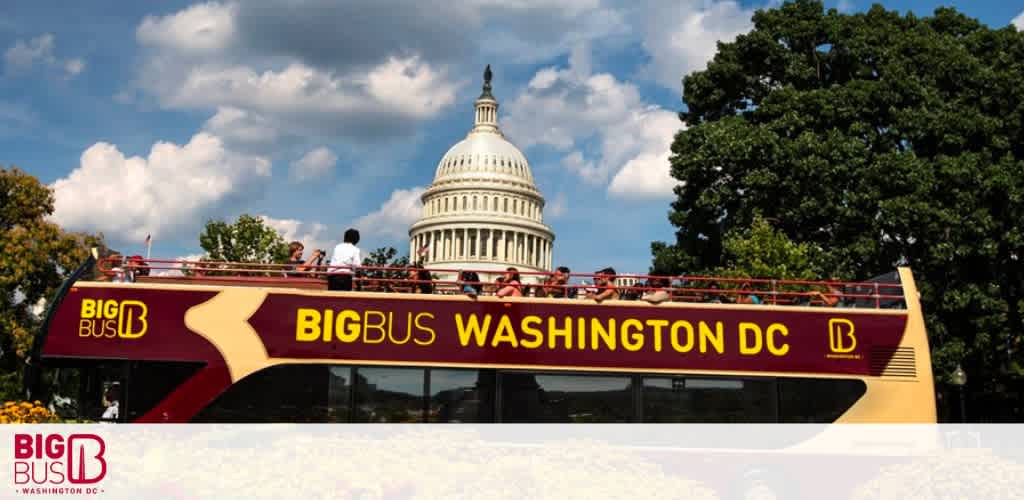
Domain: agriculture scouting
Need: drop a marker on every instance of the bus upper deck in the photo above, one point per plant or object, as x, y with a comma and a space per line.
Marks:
218, 335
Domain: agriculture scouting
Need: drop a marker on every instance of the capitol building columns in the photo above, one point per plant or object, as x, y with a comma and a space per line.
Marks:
483, 211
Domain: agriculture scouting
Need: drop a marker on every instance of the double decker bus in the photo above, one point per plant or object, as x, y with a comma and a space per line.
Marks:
257, 343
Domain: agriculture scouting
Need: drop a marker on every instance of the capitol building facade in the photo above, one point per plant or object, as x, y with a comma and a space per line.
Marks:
483, 211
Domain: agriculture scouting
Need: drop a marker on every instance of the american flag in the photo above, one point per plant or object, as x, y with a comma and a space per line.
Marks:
149, 237
423, 250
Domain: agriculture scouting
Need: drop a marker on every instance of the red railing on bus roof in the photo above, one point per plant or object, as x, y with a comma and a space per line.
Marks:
682, 288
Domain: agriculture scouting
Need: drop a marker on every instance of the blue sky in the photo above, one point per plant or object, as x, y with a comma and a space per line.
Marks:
152, 117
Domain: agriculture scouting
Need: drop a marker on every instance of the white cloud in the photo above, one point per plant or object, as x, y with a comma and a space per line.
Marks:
314, 164
239, 125
681, 36
393, 218
377, 78
648, 174
261, 67
300, 99
573, 110
845, 6
201, 28
25, 54
421, 91
312, 235
556, 207
1019, 21
167, 194
74, 66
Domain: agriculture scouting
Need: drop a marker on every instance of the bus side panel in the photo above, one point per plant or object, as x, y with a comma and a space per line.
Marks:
130, 323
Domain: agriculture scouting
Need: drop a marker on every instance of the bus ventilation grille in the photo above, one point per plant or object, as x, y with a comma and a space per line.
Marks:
893, 362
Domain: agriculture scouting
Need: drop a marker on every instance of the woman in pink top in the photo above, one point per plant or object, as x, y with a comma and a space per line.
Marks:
510, 285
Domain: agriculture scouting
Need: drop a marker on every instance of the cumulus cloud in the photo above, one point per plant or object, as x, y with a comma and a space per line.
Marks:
201, 28
376, 78
312, 235
393, 218
269, 68
531, 31
241, 126
166, 194
1019, 21
25, 54
314, 164
681, 36
557, 206
570, 109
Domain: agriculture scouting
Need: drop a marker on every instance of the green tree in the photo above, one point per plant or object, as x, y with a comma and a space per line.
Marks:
248, 239
37, 257
883, 139
383, 257
761, 251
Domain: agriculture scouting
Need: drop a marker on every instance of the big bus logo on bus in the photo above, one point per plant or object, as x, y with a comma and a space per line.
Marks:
113, 318
45, 462
841, 340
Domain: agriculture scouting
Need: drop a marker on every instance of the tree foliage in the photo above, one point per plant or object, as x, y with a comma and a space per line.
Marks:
35, 258
248, 239
761, 251
884, 140
383, 257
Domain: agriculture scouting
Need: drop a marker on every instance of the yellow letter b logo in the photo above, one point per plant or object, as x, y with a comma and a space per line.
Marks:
840, 335
131, 319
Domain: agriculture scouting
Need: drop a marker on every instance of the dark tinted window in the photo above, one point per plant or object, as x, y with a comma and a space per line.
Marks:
283, 393
531, 397
389, 395
149, 382
709, 400
82, 389
817, 401
461, 396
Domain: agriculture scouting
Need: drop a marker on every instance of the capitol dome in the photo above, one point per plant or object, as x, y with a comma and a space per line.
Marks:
483, 211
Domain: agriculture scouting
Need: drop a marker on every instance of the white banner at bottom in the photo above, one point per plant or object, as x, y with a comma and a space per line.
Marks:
583, 461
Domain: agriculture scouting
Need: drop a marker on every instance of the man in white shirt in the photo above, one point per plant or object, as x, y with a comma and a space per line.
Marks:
347, 256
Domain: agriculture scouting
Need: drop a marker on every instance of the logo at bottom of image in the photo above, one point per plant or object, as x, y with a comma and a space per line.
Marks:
55, 464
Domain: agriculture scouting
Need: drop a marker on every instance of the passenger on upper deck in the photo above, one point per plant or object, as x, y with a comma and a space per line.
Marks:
119, 275
713, 296
746, 296
347, 255
135, 267
298, 265
424, 281
832, 297
659, 290
605, 284
555, 285
510, 285
469, 282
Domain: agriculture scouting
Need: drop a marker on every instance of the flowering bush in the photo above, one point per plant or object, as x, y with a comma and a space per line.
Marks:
26, 413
